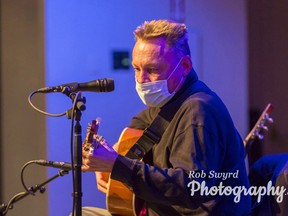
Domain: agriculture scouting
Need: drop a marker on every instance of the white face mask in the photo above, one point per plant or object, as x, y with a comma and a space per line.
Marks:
156, 94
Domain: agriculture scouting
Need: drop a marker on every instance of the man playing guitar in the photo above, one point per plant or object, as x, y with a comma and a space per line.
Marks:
197, 138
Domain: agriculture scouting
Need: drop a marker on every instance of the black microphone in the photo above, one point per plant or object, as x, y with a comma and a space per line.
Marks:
54, 164
99, 85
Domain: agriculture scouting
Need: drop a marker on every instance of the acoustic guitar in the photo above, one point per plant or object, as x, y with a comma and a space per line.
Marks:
120, 200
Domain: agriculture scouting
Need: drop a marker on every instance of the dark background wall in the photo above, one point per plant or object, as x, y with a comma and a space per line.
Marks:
268, 69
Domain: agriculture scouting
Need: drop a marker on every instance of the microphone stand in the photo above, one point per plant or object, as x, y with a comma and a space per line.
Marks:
31, 191
78, 106
78, 159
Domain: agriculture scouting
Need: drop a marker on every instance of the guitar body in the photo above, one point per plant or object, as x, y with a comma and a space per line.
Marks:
119, 198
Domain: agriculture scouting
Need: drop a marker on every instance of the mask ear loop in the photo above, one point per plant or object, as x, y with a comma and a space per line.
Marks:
175, 68
182, 78
180, 84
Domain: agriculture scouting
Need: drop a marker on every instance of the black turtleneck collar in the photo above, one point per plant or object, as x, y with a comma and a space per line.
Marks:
191, 78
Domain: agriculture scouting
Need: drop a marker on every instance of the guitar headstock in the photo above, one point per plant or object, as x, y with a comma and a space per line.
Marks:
260, 125
92, 129
93, 139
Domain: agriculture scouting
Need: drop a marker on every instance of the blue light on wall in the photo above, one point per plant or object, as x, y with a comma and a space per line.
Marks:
81, 37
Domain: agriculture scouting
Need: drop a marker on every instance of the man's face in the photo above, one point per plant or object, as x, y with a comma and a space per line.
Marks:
153, 60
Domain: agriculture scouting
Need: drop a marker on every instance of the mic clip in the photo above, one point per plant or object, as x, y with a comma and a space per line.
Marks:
68, 91
79, 103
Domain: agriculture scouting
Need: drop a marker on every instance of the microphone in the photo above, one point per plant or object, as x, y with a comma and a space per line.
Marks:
54, 164
99, 85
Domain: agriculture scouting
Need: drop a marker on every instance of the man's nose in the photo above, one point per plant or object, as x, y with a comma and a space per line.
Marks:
142, 77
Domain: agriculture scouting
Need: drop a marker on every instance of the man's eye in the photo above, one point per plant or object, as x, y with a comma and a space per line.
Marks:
136, 69
153, 71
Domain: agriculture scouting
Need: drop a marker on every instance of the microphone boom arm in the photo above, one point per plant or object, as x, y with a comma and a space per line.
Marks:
32, 190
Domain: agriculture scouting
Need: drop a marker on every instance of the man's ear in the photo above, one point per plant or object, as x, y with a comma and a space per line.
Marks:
187, 65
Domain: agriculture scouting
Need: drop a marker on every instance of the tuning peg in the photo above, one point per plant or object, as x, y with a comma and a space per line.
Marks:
267, 117
262, 126
260, 136
265, 128
98, 120
89, 127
